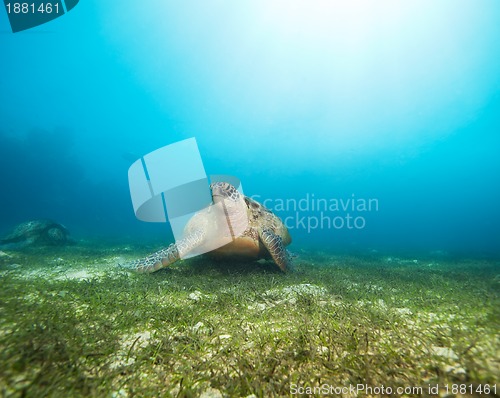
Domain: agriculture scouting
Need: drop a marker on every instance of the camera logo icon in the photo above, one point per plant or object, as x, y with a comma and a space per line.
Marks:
170, 185
28, 14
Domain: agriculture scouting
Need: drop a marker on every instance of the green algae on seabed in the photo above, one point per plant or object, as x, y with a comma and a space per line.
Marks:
73, 324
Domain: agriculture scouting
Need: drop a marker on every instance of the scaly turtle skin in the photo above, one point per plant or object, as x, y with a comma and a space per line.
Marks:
259, 232
37, 232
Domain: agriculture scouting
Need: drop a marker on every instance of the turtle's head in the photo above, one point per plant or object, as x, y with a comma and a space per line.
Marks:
234, 218
223, 191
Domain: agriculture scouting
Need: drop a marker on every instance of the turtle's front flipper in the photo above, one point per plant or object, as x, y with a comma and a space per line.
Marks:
274, 244
158, 260
165, 257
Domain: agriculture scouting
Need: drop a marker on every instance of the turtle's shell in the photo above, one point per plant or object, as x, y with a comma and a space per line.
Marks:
44, 232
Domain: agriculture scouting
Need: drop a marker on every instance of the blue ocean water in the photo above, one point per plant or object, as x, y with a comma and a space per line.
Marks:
367, 126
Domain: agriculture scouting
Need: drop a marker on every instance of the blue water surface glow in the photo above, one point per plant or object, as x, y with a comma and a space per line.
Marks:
396, 101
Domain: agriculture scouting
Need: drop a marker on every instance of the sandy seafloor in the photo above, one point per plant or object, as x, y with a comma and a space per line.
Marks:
73, 323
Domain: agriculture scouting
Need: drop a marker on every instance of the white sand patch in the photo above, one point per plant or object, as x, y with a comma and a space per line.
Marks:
258, 306
60, 273
211, 393
222, 339
444, 352
200, 328
289, 295
294, 291
39, 273
304, 288
129, 343
196, 296
373, 288
119, 261
80, 275
404, 311
122, 393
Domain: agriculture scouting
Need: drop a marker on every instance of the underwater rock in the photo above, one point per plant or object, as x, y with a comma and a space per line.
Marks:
195, 296
290, 295
37, 233
199, 328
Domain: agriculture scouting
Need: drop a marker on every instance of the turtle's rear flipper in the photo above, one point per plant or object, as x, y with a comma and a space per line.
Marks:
274, 244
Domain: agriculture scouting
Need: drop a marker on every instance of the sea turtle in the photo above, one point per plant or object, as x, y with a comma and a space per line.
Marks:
261, 233
37, 232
